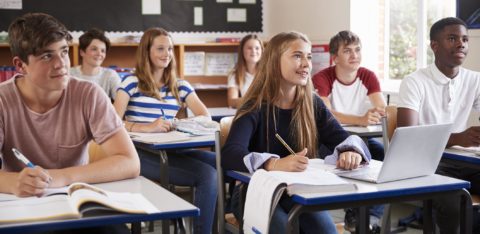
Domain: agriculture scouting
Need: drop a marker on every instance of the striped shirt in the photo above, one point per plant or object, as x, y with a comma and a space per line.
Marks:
142, 108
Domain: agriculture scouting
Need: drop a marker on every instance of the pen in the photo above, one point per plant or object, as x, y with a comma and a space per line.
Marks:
163, 114
285, 144
22, 158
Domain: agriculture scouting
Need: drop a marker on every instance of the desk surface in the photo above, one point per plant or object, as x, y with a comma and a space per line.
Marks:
370, 131
366, 190
193, 142
461, 157
169, 205
217, 113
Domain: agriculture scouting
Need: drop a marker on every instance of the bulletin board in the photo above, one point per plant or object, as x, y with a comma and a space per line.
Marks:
129, 15
469, 11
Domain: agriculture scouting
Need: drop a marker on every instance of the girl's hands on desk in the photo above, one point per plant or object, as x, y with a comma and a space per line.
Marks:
349, 160
31, 182
297, 162
159, 125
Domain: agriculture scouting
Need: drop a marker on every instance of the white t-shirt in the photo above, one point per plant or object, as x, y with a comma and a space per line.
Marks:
439, 99
248, 81
107, 78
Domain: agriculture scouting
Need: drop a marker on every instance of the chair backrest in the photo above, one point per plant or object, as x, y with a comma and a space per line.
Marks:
225, 124
95, 152
391, 112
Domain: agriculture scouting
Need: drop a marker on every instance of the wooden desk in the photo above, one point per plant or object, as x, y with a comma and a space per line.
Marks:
422, 188
169, 205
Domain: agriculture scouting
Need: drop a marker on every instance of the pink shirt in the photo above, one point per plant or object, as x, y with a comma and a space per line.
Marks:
59, 137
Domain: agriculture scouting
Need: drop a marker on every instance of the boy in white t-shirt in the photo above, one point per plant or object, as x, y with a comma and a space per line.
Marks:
445, 92
352, 93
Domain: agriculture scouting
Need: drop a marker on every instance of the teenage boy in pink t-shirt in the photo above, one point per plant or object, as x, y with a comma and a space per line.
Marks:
50, 117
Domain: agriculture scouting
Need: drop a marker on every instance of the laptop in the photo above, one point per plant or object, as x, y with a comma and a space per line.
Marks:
413, 152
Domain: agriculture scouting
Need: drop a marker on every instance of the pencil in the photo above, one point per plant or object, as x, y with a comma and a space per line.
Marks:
285, 144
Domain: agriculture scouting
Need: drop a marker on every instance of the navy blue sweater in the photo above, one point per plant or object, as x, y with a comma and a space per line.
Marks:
248, 134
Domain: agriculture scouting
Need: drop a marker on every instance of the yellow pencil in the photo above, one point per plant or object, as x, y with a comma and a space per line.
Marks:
285, 144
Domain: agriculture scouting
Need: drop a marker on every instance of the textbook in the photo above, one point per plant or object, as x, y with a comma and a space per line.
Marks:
160, 137
264, 187
78, 200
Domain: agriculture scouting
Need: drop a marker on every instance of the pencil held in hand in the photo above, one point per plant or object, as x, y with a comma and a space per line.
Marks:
285, 144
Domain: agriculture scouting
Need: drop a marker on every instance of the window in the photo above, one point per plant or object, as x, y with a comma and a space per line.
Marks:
406, 30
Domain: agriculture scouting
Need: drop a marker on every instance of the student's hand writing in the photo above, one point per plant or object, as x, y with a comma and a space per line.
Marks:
297, 162
159, 125
372, 116
349, 160
467, 138
31, 182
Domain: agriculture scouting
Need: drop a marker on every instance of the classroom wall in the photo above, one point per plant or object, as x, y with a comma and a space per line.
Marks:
473, 59
319, 19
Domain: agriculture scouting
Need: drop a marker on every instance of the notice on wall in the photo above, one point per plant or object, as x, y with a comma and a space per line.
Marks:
151, 7
320, 58
198, 16
11, 4
194, 63
219, 64
236, 15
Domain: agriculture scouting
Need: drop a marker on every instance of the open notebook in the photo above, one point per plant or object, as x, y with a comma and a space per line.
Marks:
79, 200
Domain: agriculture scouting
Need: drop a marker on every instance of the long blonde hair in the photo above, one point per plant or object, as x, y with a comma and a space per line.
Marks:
144, 66
265, 90
240, 68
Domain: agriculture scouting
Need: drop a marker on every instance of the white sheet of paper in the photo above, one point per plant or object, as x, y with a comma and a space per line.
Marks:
236, 15
151, 7
224, 1
198, 16
247, 1
11, 4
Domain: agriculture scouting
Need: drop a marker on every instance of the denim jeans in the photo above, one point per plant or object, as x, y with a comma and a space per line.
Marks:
376, 149
189, 168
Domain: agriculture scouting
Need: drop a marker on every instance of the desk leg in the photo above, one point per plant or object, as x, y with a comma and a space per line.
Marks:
243, 197
136, 228
292, 222
466, 211
428, 224
164, 182
363, 220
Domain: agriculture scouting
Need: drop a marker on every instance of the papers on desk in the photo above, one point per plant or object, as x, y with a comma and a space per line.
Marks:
197, 126
158, 138
475, 150
361, 129
264, 185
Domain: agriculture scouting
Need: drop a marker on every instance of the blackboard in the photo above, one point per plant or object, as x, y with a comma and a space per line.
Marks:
126, 15
469, 11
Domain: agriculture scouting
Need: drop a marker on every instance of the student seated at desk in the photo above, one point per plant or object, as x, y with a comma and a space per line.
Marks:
445, 92
281, 101
93, 46
249, 52
50, 117
346, 89
148, 101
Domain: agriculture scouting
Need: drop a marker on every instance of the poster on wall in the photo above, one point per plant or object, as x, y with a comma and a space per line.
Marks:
469, 11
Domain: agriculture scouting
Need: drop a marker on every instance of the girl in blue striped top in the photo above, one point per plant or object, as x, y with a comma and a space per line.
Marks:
148, 101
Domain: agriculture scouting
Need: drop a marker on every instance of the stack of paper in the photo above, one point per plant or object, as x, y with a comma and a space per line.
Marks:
157, 138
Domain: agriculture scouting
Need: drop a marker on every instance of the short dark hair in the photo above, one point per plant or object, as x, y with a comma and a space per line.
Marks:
87, 38
30, 33
438, 26
346, 37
